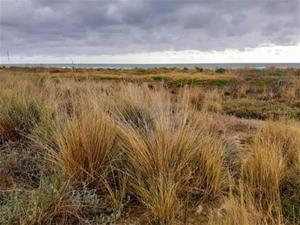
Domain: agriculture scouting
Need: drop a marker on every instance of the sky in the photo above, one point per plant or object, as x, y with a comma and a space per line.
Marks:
149, 31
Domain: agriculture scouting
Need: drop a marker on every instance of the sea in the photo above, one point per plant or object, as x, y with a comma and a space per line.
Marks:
147, 66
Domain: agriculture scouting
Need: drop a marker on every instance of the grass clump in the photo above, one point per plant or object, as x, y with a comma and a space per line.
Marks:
239, 208
170, 161
133, 113
18, 116
86, 147
273, 164
86, 150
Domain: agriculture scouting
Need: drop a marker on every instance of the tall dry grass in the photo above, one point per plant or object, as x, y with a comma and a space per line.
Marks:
155, 150
87, 146
174, 158
239, 210
272, 165
19, 114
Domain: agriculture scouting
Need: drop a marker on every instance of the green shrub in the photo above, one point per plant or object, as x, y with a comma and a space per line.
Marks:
220, 70
199, 69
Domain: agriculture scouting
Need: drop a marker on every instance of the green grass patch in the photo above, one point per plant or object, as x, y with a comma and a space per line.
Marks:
216, 83
159, 78
98, 78
260, 81
259, 109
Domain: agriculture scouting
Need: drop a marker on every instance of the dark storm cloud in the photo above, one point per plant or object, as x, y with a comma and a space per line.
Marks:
64, 27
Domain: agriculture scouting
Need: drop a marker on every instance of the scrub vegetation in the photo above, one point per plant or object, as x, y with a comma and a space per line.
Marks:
150, 146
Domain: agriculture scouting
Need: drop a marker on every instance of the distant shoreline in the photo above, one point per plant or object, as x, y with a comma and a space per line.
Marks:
146, 66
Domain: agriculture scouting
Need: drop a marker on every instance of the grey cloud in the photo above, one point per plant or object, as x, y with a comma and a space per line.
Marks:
64, 27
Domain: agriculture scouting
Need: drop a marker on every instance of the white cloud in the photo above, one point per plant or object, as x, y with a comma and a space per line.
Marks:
263, 54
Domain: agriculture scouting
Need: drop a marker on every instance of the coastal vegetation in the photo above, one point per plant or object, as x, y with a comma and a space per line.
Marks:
150, 146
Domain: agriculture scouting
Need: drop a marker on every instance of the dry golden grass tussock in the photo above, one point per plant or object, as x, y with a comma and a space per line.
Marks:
172, 160
239, 210
212, 102
272, 165
87, 147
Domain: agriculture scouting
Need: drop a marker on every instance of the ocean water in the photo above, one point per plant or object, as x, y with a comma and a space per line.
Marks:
145, 66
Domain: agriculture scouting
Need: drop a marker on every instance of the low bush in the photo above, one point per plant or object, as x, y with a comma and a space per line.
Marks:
220, 70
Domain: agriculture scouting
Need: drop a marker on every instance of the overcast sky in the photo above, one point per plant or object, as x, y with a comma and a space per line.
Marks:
141, 31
